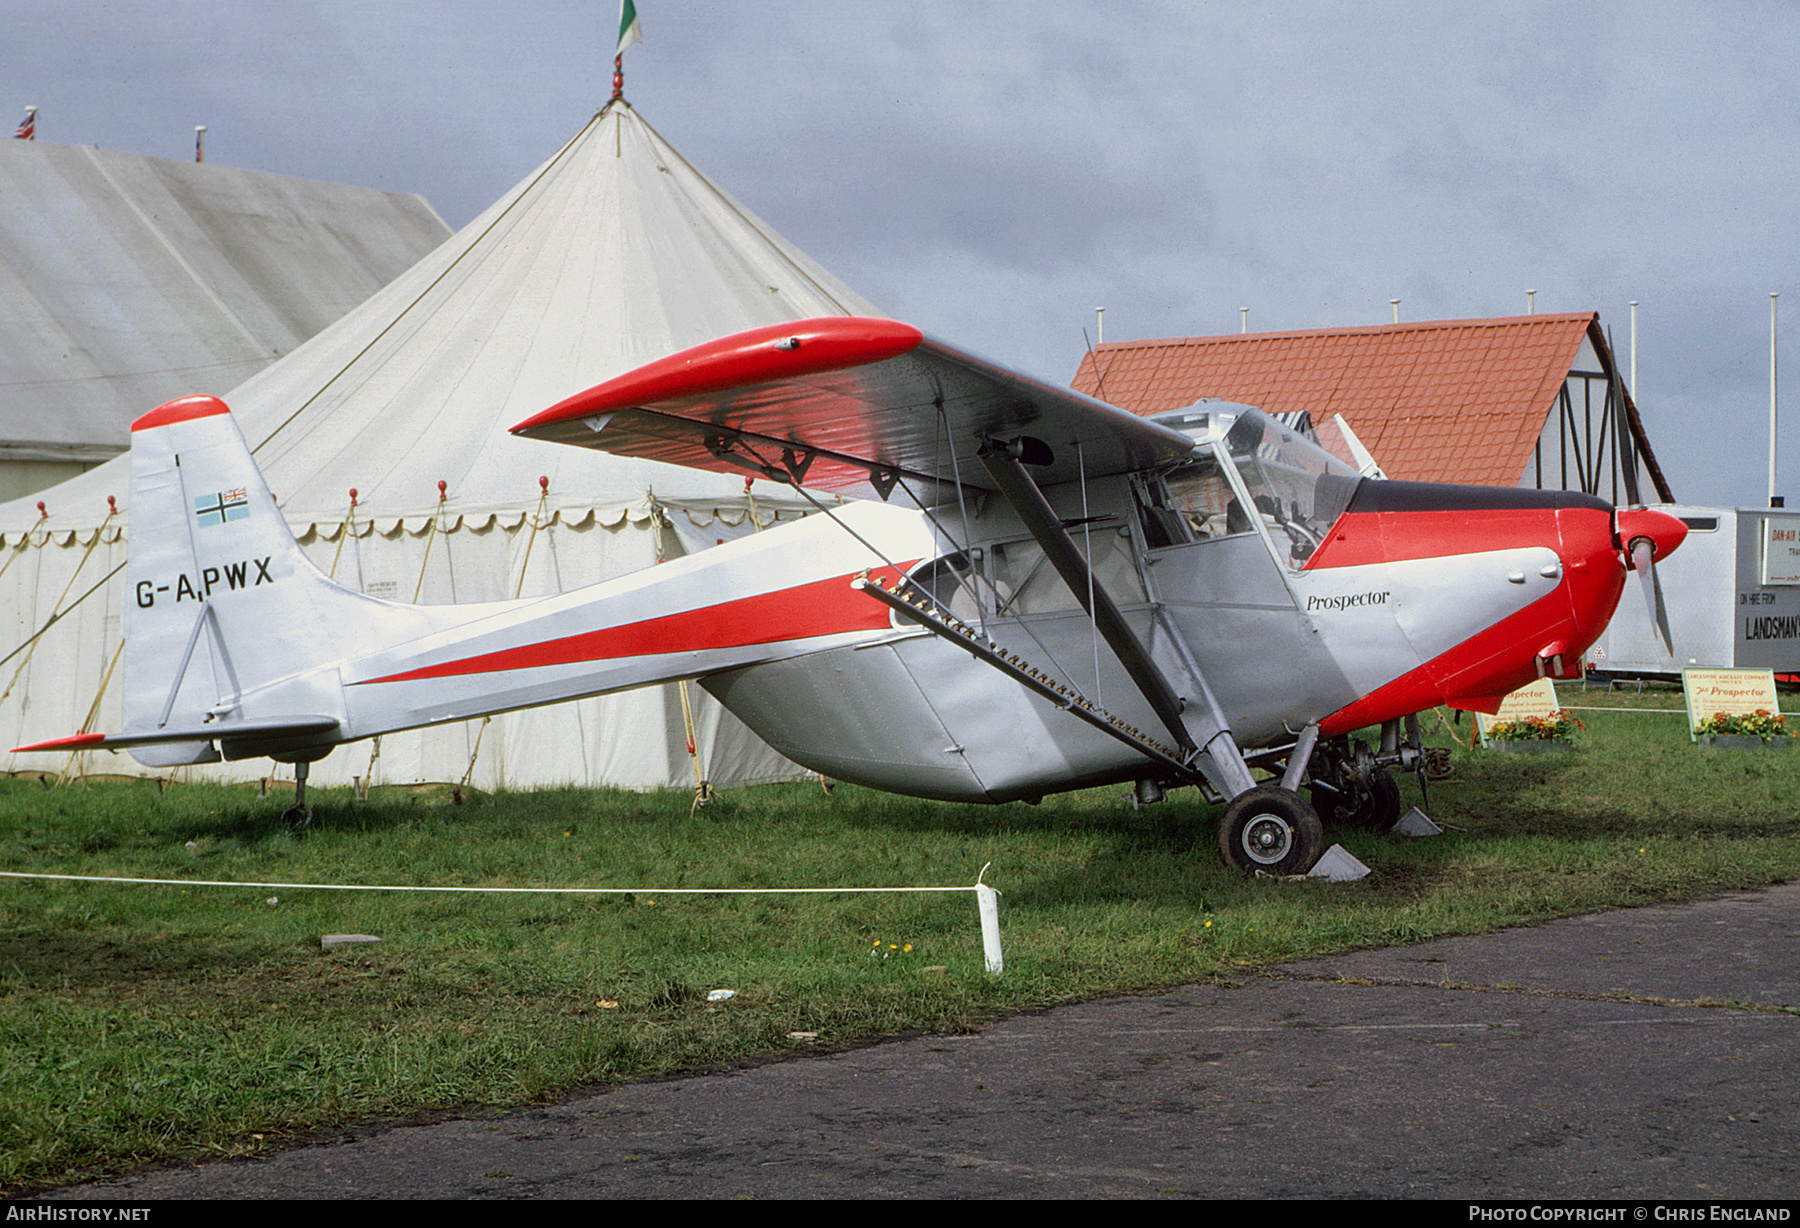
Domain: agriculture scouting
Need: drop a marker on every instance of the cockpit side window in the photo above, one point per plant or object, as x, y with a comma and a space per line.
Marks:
949, 582
1201, 496
1014, 579
1298, 488
1025, 582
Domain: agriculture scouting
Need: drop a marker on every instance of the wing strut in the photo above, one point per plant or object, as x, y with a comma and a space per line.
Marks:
1002, 463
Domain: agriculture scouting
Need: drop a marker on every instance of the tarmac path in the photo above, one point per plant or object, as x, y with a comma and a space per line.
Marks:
1643, 1054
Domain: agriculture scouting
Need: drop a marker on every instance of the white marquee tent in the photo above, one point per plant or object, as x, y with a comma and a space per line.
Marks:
612, 253
127, 280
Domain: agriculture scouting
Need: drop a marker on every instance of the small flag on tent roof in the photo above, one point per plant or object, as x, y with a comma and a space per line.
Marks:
27, 131
629, 29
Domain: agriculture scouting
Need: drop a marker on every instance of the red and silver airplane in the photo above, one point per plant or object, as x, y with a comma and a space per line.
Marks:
1041, 592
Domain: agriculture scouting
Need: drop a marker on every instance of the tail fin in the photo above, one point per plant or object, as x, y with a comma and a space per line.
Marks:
234, 641
221, 602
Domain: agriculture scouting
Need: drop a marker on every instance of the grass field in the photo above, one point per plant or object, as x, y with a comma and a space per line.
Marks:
145, 1022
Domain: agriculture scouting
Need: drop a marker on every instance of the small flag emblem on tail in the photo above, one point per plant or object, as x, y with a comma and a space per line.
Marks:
226, 505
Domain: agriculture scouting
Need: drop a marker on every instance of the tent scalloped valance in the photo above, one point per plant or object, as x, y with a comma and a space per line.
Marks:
416, 524
65, 536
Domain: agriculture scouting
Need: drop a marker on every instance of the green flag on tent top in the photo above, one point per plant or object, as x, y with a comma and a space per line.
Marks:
629, 29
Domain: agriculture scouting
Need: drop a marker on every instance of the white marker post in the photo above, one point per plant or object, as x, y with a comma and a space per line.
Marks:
987, 900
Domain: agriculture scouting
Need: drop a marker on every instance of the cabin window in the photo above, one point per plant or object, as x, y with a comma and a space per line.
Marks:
1200, 494
1025, 581
950, 584
1015, 578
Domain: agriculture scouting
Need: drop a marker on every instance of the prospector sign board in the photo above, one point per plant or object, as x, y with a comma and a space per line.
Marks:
1729, 692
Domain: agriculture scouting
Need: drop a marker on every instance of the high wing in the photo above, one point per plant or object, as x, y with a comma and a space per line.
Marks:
852, 405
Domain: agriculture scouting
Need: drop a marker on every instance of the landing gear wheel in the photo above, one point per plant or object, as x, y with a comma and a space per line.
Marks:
1270, 829
1374, 808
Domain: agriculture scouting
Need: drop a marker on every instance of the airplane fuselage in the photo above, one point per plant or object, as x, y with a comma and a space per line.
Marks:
1077, 595
1272, 588
1393, 621
1404, 597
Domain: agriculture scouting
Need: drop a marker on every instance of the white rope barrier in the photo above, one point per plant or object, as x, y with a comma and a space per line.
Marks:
1632, 711
986, 898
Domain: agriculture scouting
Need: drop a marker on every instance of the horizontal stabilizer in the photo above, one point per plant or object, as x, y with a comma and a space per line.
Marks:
299, 729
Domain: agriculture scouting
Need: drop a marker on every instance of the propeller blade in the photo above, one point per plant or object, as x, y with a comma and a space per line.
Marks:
1662, 612
1643, 561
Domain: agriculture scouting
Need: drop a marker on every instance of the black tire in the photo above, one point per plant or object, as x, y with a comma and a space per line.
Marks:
298, 818
1375, 809
1270, 829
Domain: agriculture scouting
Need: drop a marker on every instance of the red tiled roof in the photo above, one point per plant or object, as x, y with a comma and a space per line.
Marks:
1444, 401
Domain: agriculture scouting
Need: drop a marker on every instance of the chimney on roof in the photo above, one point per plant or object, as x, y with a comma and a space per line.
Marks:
199, 142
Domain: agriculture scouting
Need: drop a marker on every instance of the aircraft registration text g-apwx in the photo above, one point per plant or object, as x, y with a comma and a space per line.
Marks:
230, 577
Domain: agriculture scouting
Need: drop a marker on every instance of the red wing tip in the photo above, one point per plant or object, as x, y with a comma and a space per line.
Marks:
73, 742
769, 354
184, 409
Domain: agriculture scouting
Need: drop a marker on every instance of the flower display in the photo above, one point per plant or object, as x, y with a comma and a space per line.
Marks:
1758, 724
1559, 726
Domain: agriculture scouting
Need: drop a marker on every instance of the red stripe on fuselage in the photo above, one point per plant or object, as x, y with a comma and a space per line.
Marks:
1486, 666
824, 607
1360, 538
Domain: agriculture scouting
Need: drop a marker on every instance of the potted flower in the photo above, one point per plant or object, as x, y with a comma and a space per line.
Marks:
1752, 730
1534, 734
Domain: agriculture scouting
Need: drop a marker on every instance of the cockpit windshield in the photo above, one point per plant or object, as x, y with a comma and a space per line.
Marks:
1299, 488
1295, 487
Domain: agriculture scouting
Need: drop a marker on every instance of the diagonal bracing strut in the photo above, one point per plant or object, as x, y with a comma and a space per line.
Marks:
919, 610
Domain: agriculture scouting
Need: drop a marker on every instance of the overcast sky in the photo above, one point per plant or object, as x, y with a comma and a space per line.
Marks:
994, 171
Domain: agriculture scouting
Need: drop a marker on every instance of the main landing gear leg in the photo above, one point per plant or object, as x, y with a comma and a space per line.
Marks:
1265, 827
1350, 787
298, 817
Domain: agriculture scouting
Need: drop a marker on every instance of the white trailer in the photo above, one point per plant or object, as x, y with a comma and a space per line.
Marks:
1732, 592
